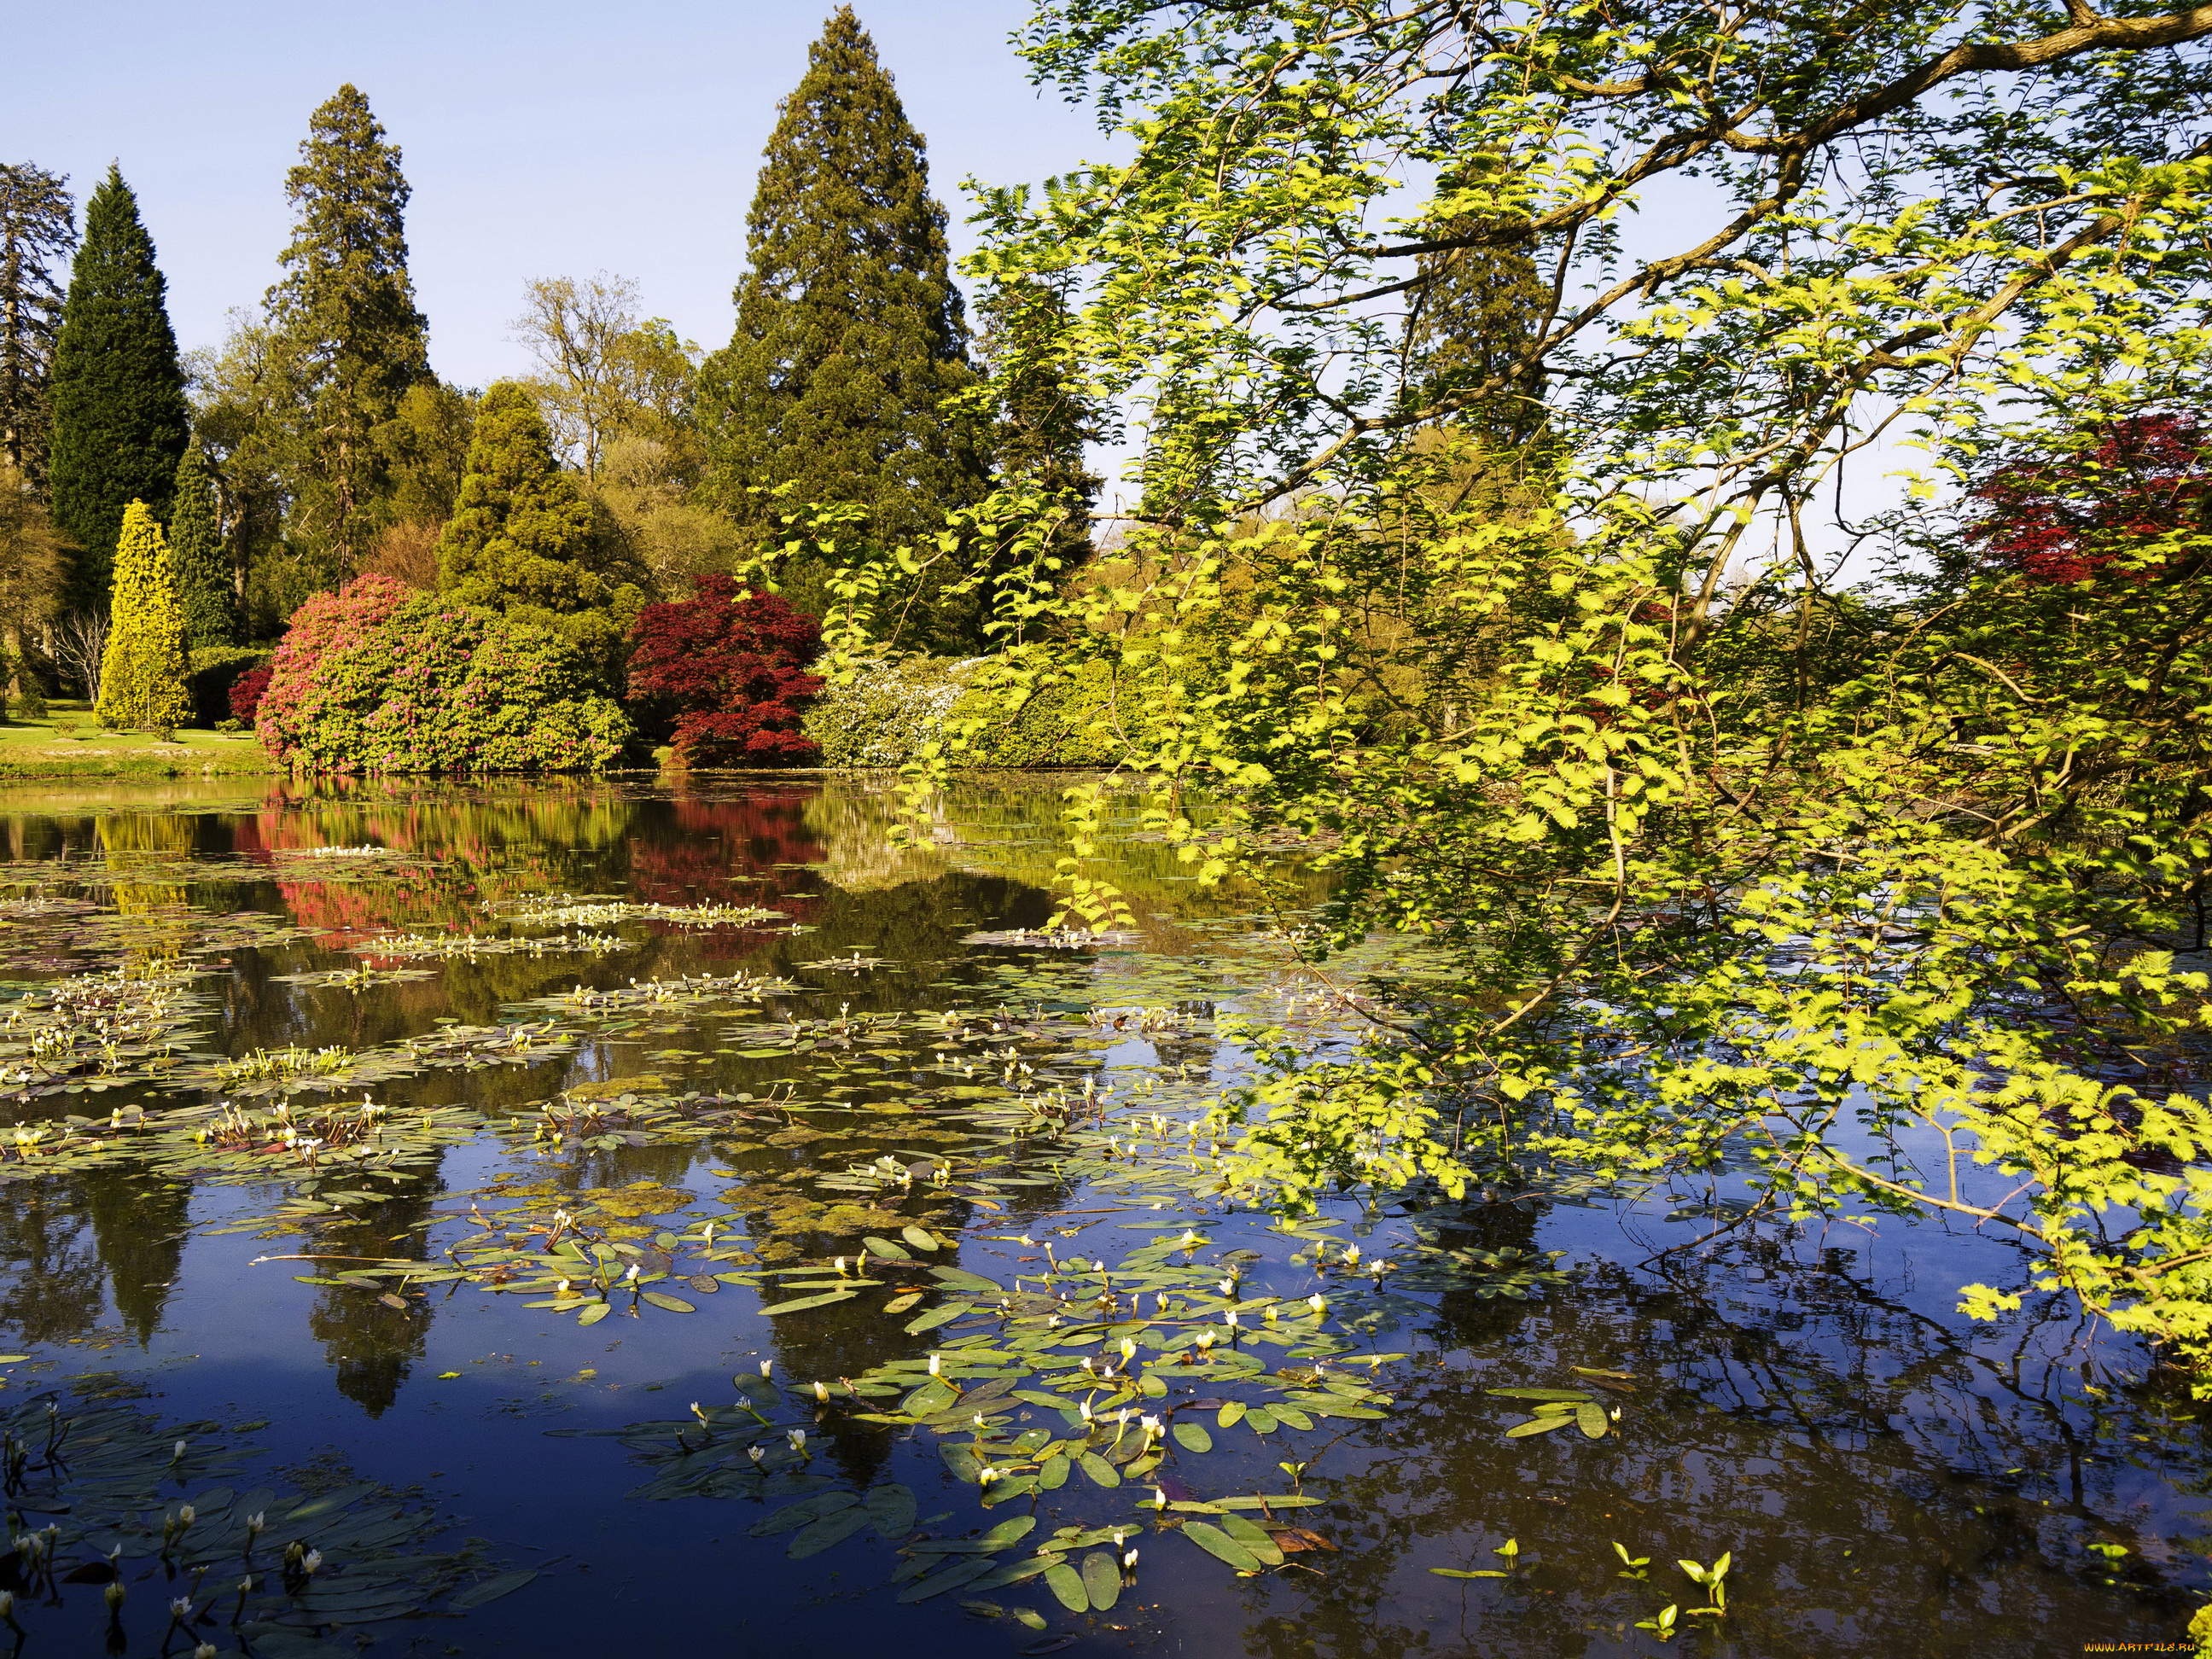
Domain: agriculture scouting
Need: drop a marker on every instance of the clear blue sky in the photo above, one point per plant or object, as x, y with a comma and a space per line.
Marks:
548, 138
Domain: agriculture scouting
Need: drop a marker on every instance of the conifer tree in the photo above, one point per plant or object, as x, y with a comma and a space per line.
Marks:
344, 316
522, 532
120, 422
1045, 416
37, 225
850, 333
1477, 313
204, 592
141, 672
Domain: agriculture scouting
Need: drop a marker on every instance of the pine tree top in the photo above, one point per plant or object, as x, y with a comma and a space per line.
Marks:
851, 334
347, 284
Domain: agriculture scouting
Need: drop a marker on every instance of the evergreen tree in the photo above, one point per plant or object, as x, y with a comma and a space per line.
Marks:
37, 225
1477, 314
850, 335
1045, 416
522, 532
120, 422
141, 672
204, 592
345, 320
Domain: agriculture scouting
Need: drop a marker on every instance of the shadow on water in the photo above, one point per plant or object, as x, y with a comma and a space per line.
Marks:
1886, 1478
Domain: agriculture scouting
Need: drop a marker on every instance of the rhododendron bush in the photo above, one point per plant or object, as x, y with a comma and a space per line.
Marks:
425, 685
723, 677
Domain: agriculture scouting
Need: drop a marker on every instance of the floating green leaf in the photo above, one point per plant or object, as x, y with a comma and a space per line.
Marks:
1220, 1546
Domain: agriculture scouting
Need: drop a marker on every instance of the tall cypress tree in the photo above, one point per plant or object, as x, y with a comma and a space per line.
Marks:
344, 316
850, 333
120, 422
522, 530
37, 225
203, 579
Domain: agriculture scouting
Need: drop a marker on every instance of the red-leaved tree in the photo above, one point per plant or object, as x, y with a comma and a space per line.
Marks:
247, 692
723, 677
2062, 520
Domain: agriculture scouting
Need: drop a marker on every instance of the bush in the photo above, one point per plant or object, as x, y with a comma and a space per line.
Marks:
1074, 720
886, 715
246, 694
323, 624
438, 687
888, 711
723, 676
214, 671
141, 668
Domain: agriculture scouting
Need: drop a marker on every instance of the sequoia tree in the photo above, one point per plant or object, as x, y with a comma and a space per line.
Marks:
204, 578
37, 225
345, 321
120, 422
850, 333
521, 533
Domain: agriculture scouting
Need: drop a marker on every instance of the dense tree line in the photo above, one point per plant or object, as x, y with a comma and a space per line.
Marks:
316, 443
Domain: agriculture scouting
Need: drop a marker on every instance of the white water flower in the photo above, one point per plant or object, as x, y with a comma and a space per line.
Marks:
1128, 1348
754, 1452
1317, 1302
765, 1363
310, 1561
797, 1438
936, 1364
822, 1391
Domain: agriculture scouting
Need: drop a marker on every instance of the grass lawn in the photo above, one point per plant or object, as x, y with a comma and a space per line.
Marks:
69, 743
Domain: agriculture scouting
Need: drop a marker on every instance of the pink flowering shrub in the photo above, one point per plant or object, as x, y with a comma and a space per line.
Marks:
433, 686
325, 622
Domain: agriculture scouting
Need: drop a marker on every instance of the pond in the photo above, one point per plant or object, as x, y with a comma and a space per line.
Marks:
590, 1219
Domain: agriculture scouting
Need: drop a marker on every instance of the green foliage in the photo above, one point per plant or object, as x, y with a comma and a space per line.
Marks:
121, 422
347, 341
895, 713
884, 712
204, 577
212, 669
521, 530
38, 225
141, 672
439, 686
850, 334
1870, 899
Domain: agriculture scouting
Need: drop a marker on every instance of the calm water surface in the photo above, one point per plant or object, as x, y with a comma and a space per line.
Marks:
1886, 1479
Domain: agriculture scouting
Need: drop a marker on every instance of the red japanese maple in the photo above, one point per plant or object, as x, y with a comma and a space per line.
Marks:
2063, 520
723, 676
246, 692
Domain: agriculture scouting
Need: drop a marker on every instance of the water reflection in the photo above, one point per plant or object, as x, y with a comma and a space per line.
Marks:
1887, 1479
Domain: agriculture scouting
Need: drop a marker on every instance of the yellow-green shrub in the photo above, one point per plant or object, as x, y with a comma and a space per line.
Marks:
141, 672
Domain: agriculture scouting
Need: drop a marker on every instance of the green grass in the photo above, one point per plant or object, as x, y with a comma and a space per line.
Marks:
69, 743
